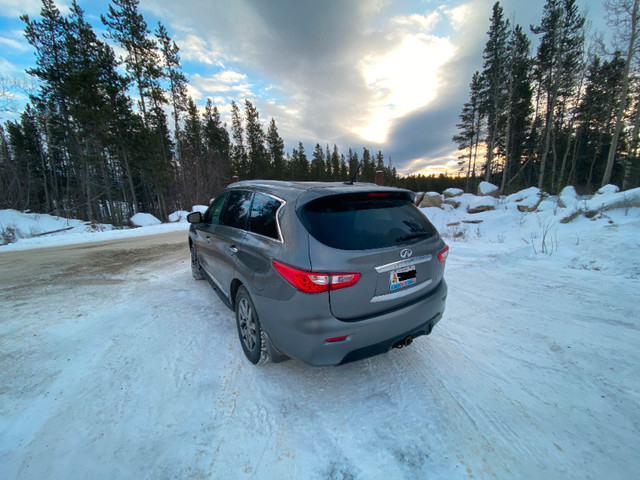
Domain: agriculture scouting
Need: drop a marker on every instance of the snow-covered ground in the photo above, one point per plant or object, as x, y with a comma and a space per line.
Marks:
116, 364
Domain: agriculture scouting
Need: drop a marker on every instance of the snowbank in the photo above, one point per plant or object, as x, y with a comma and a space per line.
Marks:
179, 216
15, 225
144, 220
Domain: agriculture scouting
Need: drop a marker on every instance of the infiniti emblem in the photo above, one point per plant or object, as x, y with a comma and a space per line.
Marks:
406, 253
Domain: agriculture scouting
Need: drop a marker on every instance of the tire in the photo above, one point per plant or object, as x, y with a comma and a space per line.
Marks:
250, 333
195, 265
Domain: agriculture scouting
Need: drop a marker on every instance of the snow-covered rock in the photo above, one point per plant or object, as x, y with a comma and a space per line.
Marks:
451, 201
609, 199
482, 204
179, 216
568, 198
419, 197
523, 194
488, 189
431, 199
144, 220
452, 192
530, 204
607, 189
199, 208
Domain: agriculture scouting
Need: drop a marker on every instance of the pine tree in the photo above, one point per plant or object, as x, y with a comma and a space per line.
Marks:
353, 163
337, 174
469, 129
239, 162
177, 85
127, 27
317, 164
557, 64
276, 151
596, 117
519, 93
216, 142
299, 164
495, 81
627, 19
256, 152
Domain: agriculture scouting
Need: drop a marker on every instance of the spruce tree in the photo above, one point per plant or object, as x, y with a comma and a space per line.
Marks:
317, 164
256, 152
557, 65
275, 145
127, 27
495, 81
238, 152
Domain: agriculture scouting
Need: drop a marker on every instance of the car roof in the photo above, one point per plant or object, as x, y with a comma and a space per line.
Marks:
306, 191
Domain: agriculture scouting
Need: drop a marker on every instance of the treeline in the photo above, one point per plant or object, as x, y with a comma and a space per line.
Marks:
568, 115
83, 149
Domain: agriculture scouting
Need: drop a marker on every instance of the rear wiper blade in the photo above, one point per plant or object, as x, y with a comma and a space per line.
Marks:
412, 236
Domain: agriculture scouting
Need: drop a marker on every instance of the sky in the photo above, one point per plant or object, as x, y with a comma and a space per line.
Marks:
385, 75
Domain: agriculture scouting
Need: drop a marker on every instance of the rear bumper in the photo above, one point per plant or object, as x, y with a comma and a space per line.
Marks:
300, 326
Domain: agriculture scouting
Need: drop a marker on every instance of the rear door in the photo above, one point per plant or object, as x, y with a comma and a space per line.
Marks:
385, 238
227, 239
221, 234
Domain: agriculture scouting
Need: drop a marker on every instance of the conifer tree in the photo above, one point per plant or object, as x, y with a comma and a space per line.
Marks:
275, 144
494, 81
519, 93
177, 83
557, 64
127, 27
238, 152
256, 152
625, 17
317, 164
469, 130
336, 172
216, 143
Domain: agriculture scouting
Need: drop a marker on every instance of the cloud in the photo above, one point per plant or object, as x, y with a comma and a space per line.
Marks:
344, 72
16, 44
229, 84
8, 68
15, 8
194, 48
402, 81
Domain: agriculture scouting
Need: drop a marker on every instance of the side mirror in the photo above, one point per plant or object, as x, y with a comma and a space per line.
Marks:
194, 217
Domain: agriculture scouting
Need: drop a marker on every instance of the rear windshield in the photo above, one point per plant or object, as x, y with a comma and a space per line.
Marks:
365, 220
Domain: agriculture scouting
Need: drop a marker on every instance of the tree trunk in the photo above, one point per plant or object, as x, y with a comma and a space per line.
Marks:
628, 164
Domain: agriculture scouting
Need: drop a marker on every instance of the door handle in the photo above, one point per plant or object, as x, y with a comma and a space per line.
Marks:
232, 248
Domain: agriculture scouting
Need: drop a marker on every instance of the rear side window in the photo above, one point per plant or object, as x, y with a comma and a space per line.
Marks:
236, 210
262, 219
365, 220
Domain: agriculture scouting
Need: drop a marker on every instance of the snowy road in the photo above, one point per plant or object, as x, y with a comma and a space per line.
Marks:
116, 364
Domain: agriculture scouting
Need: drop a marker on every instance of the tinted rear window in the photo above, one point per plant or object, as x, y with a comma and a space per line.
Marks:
365, 220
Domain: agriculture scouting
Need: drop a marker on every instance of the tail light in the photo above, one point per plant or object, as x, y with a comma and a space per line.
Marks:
444, 253
315, 282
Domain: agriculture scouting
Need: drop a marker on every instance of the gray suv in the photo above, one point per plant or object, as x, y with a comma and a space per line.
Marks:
326, 273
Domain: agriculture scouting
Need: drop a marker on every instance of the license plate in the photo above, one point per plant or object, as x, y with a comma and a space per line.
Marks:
402, 277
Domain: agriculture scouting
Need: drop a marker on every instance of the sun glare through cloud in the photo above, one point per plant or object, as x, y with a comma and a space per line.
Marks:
403, 80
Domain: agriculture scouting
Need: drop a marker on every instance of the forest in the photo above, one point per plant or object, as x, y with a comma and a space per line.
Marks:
104, 137
568, 115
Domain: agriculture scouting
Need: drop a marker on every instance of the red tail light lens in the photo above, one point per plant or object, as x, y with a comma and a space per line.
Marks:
315, 282
336, 339
444, 253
